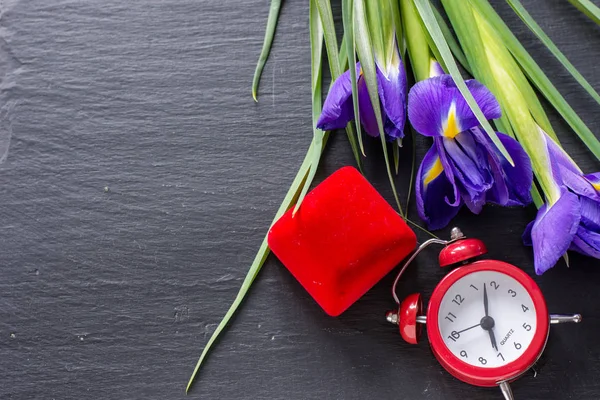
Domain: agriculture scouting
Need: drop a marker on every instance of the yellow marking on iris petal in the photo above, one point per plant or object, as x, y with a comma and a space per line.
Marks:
436, 169
596, 186
451, 129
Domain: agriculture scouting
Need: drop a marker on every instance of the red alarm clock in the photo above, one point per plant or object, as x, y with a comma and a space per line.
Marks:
487, 320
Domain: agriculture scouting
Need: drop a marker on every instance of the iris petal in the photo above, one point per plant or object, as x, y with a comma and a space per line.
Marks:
559, 156
594, 179
579, 184
470, 168
437, 108
432, 191
499, 192
587, 240
586, 243
438, 142
554, 230
392, 93
527, 234
338, 109
367, 114
391, 131
518, 178
590, 213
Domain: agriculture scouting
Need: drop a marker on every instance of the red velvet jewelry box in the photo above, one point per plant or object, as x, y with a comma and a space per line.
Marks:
344, 238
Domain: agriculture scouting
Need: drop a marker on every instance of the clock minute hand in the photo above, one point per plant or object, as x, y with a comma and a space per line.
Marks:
488, 325
485, 300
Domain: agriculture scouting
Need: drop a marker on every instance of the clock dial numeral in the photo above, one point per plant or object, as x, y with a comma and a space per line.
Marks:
454, 335
524, 307
458, 299
512, 293
474, 287
494, 285
501, 356
464, 354
450, 317
526, 326
518, 346
482, 360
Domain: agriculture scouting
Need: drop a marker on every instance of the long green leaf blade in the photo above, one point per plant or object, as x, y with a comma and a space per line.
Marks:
514, 71
326, 16
374, 21
302, 180
588, 8
417, 45
266, 48
428, 17
537, 30
452, 43
365, 54
299, 182
316, 44
539, 78
347, 12
394, 7
343, 54
396, 155
413, 140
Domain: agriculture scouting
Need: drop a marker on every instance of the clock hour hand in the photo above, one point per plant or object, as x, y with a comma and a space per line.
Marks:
493, 339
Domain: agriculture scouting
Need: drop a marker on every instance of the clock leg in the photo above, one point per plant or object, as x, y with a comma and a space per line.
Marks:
506, 391
562, 319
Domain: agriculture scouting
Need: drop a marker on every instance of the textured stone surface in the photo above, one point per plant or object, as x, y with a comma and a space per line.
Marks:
141, 178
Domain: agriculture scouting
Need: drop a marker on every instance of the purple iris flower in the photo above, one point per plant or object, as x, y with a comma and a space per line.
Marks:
570, 219
463, 167
338, 108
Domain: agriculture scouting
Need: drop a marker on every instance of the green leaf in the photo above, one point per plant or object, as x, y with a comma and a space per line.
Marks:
428, 17
387, 26
588, 8
537, 30
326, 17
317, 34
452, 43
394, 7
512, 69
416, 40
539, 78
266, 48
343, 55
396, 154
373, 23
365, 54
302, 180
299, 182
412, 167
347, 20
536, 196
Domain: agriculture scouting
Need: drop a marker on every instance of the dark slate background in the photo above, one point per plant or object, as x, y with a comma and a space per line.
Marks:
141, 178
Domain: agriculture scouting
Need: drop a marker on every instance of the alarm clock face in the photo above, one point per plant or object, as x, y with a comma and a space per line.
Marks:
487, 322
489, 339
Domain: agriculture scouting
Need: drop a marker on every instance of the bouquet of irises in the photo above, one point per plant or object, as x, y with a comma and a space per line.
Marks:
514, 160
